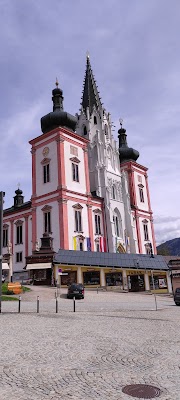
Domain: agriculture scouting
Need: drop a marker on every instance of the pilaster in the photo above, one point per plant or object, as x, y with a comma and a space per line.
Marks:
169, 284
90, 223
146, 281
63, 224
33, 152
138, 233
102, 277
79, 275
12, 235
86, 170
26, 236
125, 284
34, 228
61, 163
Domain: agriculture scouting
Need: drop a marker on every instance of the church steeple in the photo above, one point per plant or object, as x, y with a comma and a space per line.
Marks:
90, 95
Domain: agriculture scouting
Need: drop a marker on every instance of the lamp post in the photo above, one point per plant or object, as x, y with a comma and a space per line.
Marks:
1, 242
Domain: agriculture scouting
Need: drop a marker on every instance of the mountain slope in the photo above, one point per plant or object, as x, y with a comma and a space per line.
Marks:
170, 247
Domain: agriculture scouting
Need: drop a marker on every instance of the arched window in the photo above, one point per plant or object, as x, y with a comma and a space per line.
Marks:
106, 130
118, 231
113, 192
95, 120
85, 130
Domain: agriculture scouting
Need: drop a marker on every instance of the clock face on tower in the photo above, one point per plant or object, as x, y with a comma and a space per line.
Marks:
45, 151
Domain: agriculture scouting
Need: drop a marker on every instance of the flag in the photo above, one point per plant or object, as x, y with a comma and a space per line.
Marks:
77, 243
88, 244
102, 244
127, 244
74, 243
105, 249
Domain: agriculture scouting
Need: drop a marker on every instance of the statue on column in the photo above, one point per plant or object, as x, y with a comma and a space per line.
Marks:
9, 247
37, 247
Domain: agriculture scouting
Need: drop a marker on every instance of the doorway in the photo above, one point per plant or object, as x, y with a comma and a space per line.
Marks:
136, 283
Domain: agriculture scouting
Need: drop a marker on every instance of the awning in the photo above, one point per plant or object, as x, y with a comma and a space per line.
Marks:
38, 266
5, 266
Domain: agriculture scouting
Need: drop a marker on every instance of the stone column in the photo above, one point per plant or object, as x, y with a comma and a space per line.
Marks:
146, 281
125, 284
102, 277
169, 285
79, 275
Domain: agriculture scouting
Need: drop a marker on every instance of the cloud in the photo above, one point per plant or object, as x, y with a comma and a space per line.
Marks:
136, 63
166, 228
15, 161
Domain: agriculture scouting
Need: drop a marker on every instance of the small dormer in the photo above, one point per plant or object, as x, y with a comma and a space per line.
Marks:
18, 198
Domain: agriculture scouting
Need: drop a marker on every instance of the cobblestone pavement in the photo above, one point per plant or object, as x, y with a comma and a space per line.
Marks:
113, 339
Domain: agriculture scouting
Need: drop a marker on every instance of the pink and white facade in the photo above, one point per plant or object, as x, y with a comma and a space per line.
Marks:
82, 196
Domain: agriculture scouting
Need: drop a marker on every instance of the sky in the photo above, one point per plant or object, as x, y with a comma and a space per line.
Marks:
135, 57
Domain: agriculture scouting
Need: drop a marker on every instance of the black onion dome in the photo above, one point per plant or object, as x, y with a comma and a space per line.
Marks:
18, 192
58, 117
126, 153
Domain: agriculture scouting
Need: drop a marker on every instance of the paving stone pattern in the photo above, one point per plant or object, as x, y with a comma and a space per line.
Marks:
112, 340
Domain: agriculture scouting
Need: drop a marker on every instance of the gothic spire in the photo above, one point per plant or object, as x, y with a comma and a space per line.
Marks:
90, 95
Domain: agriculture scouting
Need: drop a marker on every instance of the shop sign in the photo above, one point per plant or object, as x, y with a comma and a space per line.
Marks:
136, 272
62, 273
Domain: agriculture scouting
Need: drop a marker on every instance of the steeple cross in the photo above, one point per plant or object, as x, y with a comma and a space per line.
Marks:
121, 121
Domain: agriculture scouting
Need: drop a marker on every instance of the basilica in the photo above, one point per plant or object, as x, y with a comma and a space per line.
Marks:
90, 194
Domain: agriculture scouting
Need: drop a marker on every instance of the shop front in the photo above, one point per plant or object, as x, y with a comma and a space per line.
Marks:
160, 282
5, 270
40, 273
67, 277
136, 282
114, 278
91, 278
113, 271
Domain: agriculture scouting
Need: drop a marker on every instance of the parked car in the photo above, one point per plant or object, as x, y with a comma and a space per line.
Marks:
3, 278
75, 290
177, 297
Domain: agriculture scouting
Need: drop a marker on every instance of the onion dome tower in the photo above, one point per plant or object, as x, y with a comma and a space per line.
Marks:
126, 153
58, 117
18, 198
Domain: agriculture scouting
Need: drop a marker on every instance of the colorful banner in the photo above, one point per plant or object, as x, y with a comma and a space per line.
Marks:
102, 244
88, 240
74, 243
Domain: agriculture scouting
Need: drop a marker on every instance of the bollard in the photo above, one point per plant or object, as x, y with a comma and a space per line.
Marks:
74, 304
37, 304
19, 306
56, 305
97, 289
